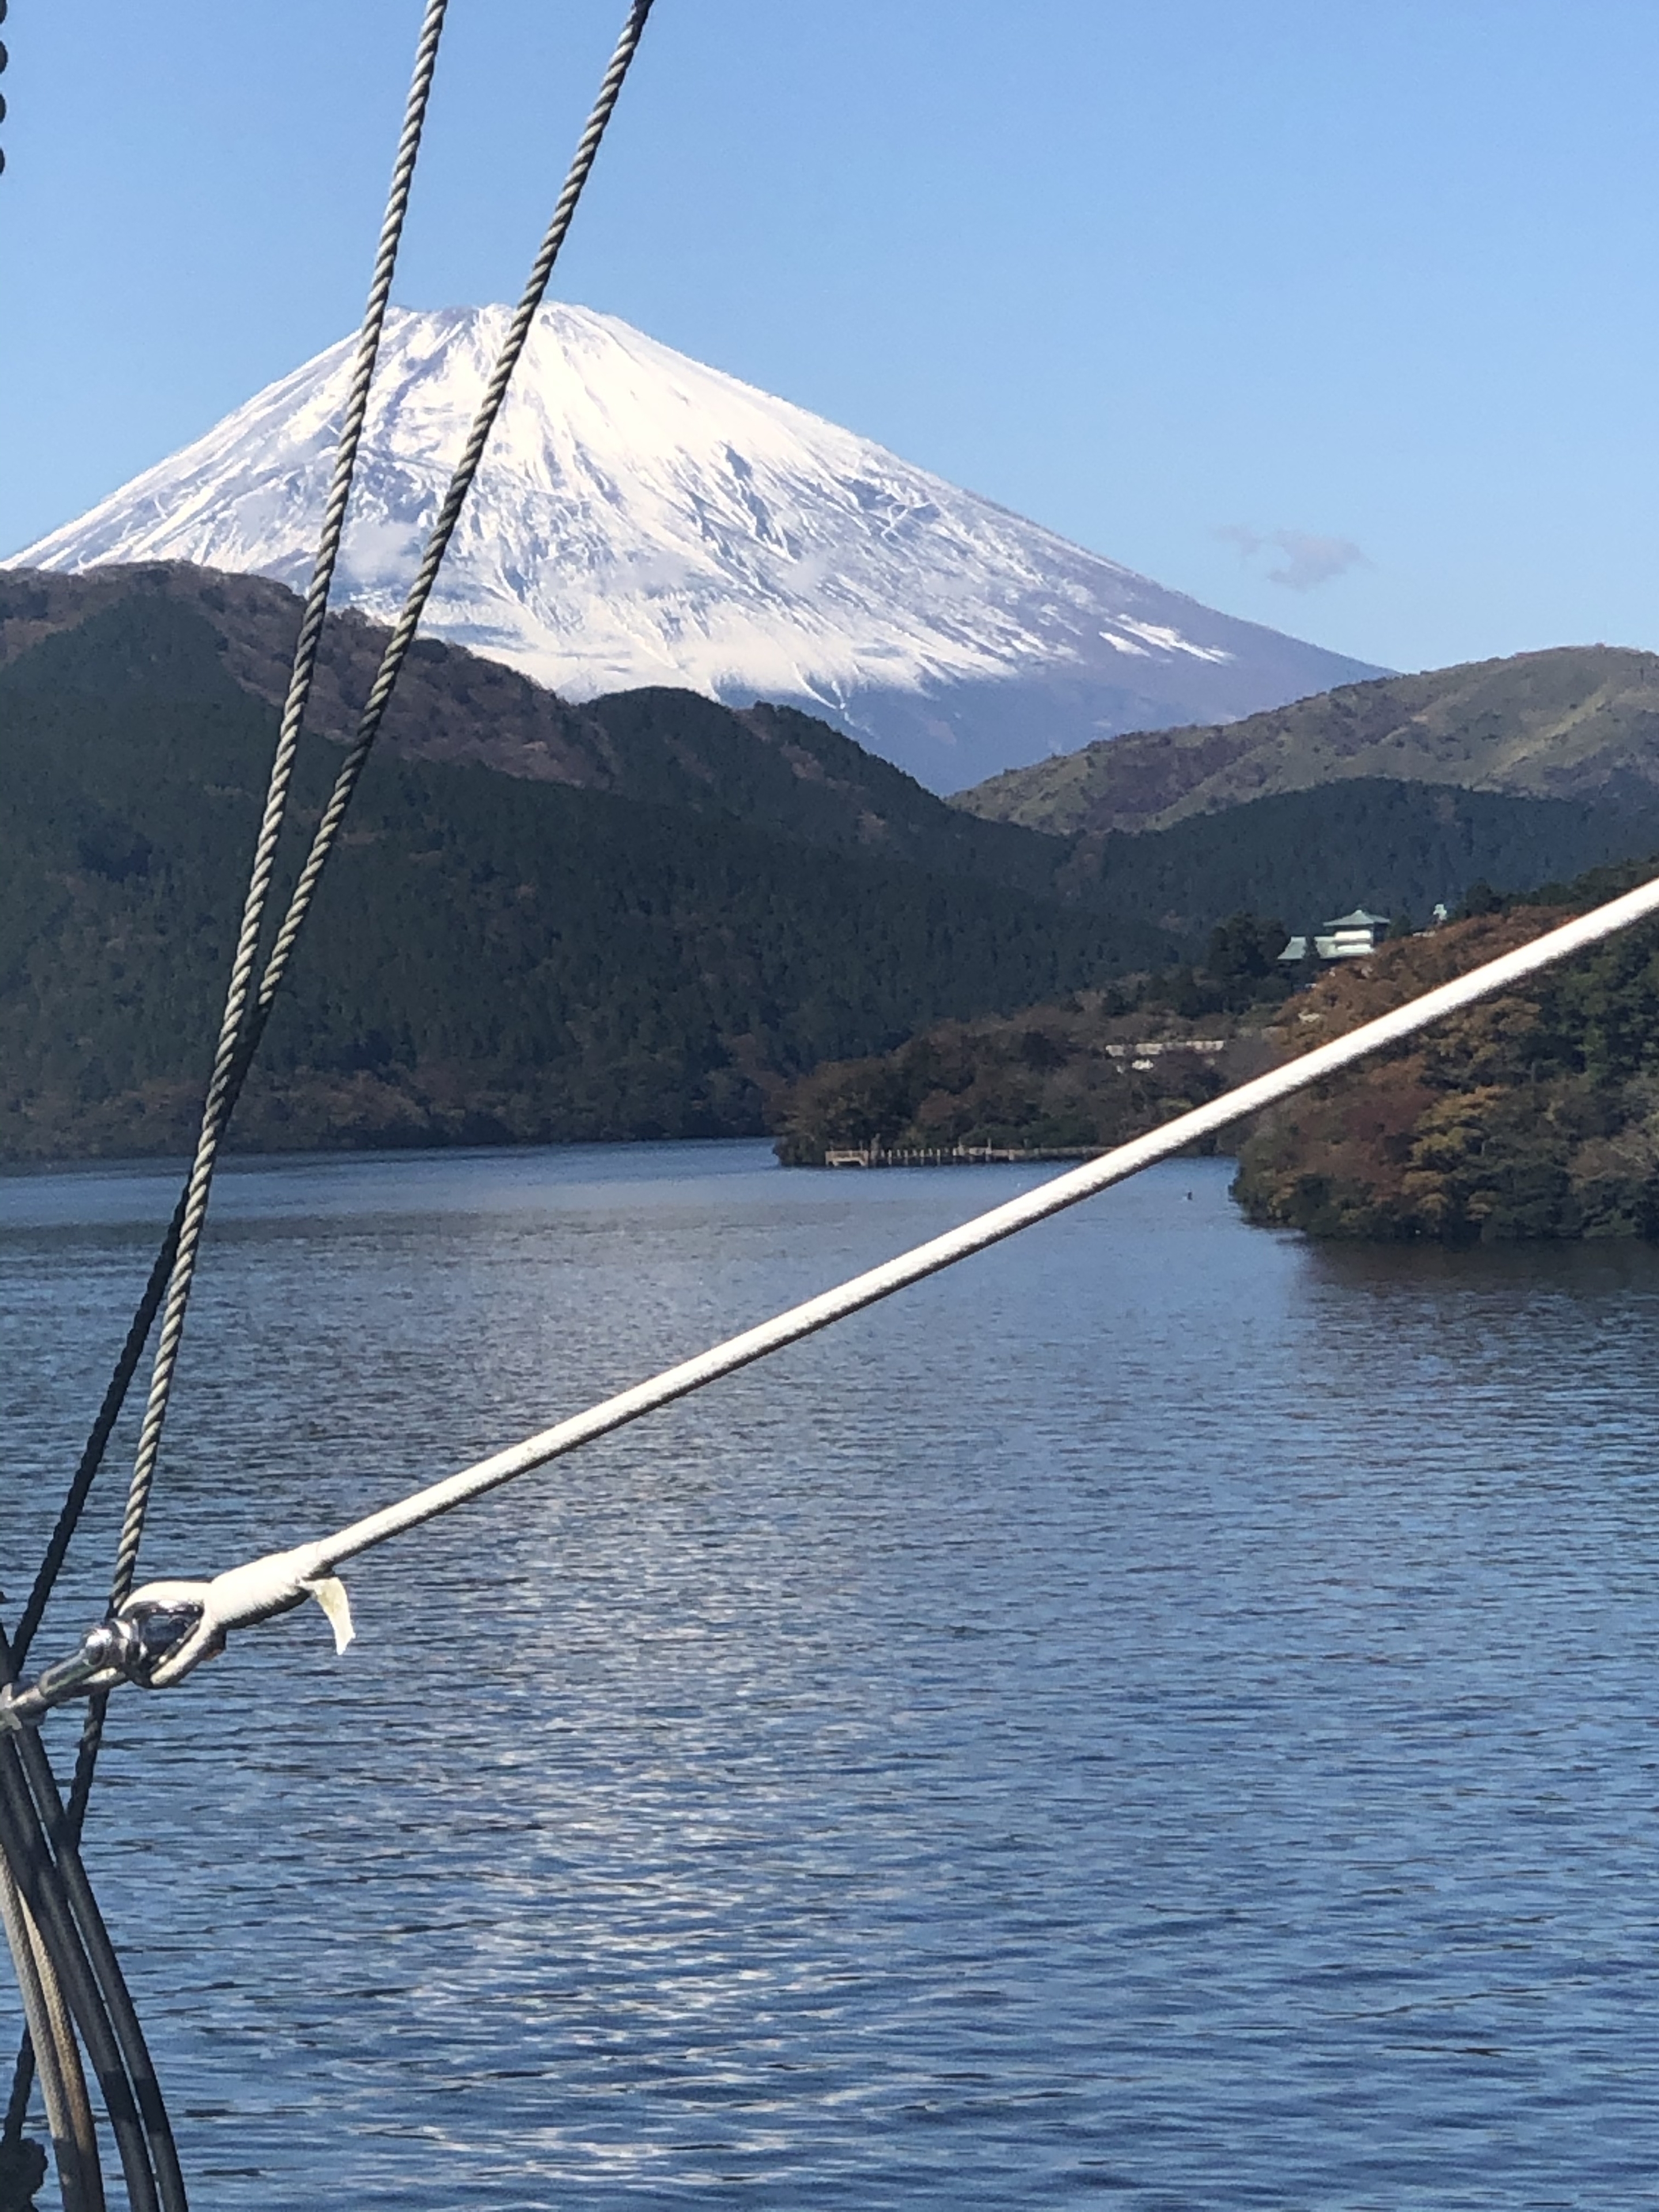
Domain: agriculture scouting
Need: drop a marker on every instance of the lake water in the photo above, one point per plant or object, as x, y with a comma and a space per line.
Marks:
1161, 1715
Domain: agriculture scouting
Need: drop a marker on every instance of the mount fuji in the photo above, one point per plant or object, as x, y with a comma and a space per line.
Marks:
642, 520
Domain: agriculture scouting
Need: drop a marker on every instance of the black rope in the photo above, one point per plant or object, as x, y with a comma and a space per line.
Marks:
114, 1995
45, 1863
36, 1875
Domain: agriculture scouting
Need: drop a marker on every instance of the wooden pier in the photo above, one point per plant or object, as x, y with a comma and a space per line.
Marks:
953, 1156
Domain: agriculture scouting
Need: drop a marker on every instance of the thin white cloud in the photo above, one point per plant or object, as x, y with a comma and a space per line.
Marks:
1309, 557
1311, 560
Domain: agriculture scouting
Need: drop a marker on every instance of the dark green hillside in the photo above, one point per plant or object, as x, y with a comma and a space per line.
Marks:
781, 770
769, 767
493, 957
1382, 838
1397, 848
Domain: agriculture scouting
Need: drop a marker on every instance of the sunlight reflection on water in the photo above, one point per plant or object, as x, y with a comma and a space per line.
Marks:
1161, 1712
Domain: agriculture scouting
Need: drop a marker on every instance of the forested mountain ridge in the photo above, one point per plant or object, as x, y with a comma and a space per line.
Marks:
1400, 848
770, 767
492, 958
667, 911
1574, 723
1396, 845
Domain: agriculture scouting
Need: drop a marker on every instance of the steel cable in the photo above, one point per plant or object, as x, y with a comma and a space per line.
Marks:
170, 1275
327, 833
323, 842
221, 1098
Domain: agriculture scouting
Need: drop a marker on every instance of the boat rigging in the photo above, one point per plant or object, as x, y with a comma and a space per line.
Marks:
77, 2009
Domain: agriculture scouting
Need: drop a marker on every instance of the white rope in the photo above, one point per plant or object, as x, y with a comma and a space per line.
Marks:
274, 1584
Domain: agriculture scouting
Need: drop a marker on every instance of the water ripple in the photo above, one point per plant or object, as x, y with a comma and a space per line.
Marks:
1160, 1715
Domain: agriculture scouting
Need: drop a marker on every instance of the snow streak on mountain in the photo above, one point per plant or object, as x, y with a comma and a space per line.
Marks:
639, 519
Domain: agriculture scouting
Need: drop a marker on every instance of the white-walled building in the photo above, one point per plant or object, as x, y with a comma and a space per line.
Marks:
1350, 937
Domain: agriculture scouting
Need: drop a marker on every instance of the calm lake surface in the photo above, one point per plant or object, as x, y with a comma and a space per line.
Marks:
1162, 1716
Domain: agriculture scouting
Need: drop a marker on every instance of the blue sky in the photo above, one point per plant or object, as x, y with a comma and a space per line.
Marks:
1341, 316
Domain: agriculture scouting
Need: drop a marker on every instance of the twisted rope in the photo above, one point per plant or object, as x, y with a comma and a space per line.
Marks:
163, 1274
221, 1096
460, 484
245, 1011
173, 1270
171, 1274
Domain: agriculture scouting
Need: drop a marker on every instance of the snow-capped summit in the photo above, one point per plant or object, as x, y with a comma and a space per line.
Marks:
639, 519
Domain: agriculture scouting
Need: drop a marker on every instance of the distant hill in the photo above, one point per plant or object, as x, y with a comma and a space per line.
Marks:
1578, 722
1398, 848
492, 957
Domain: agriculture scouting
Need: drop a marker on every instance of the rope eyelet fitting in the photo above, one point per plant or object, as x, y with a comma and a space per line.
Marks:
151, 1633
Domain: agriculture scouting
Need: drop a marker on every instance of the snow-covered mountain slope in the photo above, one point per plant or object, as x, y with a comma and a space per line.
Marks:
640, 520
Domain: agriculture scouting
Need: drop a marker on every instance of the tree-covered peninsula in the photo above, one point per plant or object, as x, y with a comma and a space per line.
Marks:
1533, 1116
1077, 1075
